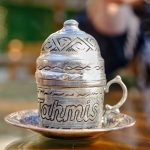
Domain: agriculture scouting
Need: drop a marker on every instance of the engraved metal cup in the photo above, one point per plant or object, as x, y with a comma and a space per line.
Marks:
71, 81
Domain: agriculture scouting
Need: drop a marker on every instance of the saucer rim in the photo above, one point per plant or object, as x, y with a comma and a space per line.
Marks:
62, 131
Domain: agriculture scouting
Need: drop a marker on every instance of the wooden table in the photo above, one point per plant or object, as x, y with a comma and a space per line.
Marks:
133, 138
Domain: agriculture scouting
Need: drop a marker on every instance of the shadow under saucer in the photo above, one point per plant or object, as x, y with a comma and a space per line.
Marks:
37, 142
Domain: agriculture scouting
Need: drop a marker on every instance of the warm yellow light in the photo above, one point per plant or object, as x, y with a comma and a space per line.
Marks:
15, 50
15, 44
113, 8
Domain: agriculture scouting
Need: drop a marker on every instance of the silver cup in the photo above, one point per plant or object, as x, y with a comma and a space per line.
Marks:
71, 81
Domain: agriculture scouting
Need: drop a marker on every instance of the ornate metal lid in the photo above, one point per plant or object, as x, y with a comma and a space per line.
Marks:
70, 56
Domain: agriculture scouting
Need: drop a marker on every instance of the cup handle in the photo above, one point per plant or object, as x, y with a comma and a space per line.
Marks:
114, 109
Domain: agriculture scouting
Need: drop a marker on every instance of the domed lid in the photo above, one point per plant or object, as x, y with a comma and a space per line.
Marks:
70, 40
70, 55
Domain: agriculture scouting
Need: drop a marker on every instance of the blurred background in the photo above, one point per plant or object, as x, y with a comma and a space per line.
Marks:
25, 24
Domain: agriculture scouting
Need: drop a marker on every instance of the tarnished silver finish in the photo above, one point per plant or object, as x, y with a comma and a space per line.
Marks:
71, 80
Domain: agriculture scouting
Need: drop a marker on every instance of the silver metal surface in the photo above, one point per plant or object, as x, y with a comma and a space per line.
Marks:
29, 119
71, 80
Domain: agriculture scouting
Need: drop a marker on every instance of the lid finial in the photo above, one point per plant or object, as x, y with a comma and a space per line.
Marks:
71, 22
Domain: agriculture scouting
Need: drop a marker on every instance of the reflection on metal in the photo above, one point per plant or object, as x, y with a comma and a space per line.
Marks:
29, 119
71, 81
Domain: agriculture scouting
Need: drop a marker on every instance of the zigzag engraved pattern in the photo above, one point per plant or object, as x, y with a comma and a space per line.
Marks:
49, 68
70, 68
78, 68
99, 67
69, 45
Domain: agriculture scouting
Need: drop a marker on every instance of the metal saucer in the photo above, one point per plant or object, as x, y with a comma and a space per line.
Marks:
29, 119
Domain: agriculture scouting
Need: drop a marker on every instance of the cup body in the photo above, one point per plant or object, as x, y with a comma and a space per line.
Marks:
70, 108
70, 77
